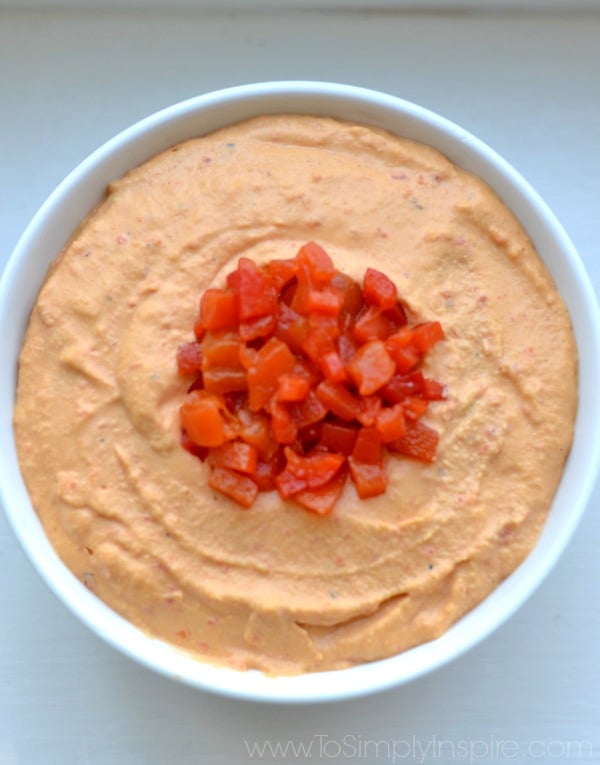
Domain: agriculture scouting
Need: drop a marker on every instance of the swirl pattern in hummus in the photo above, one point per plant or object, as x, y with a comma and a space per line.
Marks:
275, 587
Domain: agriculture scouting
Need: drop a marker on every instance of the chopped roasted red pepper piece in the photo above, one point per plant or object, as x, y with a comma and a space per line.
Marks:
397, 315
378, 289
316, 469
235, 455
414, 407
426, 335
353, 299
368, 446
241, 488
320, 266
370, 406
338, 400
291, 327
321, 500
333, 367
372, 324
221, 349
433, 390
283, 426
223, 380
261, 326
218, 309
292, 387
420, 441
255, 429
405, 358
272, 360
281, 272
370, 480
189, 359
403, 386
391, 423
366, 464
289, 484
255, 293
266, 472
202, 420
338, 437
309, 411
371, 367
323, 301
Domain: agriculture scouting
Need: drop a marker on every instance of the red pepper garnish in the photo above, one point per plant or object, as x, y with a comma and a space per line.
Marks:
303, 377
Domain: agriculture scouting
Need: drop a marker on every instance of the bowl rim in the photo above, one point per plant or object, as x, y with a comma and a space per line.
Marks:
201, 114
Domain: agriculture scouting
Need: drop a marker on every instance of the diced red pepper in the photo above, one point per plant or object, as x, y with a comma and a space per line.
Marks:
371, 367
368, 447
202, 420
223, 380
189, 359
324, 301
315, 469
391, 423
309, 411
399, 339
291, 327
322, 500
420, 441
272, 360
320, 266
292, 387
333, 367
403, 386
261, 326
199, 330
433, 390
235, 455
366, 464
426, 335
218, 309
346, 348
379, 290
338, 437
397, 315
241, 488
405, 358
255, 293
338, 400
372, 324
289, 484
414, 407
221, 348
281, 272
353, 299
283, 426
369, 480
266, 472
370, 406
255, 429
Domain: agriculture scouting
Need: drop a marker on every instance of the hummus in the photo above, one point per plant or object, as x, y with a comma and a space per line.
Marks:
275, 587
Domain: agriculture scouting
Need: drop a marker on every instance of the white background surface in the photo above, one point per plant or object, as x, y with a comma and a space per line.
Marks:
529, 85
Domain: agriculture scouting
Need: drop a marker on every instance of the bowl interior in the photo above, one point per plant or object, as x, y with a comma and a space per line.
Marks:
80, 192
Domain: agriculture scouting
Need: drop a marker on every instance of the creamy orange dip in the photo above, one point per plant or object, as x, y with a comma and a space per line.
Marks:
276, 587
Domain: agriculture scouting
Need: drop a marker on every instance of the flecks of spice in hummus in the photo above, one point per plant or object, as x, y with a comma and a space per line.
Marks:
301, 375
104, 465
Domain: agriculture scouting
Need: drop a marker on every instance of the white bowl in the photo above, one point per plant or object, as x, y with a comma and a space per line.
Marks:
85, 186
